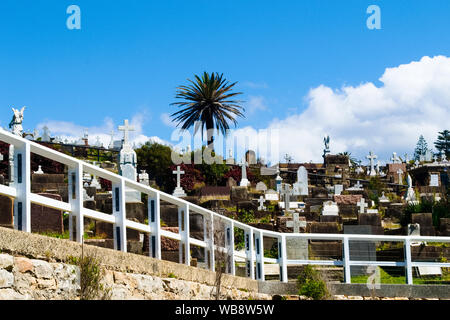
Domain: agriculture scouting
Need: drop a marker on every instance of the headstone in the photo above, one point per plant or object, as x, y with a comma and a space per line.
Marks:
230, 159
330, 208
278, 181
357, 187
360, 250
271, 195
371, 158
410, 196
144, 178
286, 192
45, 219
434, 180
362, 205
395, 158
296, 248
250, 157
383, 198
231, 182
39, 171
400, 176
178, 192
359, 170
301, 186
46, 135
425, 220
261, 186
338, 188
261, 206
296, 223
244, 181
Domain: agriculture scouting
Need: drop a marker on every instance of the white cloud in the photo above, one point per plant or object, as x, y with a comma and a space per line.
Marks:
413, 99
165, 118
255, 85
73, 132
255, 103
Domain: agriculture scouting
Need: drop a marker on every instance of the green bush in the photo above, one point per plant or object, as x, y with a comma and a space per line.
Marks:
311, 284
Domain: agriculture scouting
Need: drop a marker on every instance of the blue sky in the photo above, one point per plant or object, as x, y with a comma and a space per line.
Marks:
129, 56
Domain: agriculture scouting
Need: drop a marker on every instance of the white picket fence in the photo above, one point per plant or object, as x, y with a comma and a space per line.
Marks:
253, 254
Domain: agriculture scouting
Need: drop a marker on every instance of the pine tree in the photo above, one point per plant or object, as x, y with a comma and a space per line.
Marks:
443, 142
421, 148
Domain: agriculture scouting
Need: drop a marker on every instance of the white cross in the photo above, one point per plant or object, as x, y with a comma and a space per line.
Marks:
125, 128
178, 172
371, 157
362, 204
261, 201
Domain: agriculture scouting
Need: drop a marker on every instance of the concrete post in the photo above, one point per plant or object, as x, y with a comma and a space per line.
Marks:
76, 201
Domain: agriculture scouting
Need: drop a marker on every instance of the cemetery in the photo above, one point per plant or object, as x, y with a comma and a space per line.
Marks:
270, 221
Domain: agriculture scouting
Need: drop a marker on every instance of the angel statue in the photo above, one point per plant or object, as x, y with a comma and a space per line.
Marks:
16, 122
326, 141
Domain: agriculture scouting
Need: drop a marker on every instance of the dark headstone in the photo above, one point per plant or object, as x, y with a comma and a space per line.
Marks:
445, 227
360, 250
239, 194
44, 219
319, 192
426, 223
6, 211
323, 227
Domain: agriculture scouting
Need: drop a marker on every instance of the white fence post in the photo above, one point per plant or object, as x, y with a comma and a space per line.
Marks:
408, 266
183, 224
259, 239
119, 212
282, 259
211, 243
76, 201
346, 253
22, 182
155, 226
230, 248
250, 265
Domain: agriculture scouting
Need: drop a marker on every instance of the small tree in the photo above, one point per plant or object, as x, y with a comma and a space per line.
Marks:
442, 143
421, 148
311, 284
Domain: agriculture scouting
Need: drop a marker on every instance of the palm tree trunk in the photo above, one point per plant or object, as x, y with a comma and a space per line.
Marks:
210, 135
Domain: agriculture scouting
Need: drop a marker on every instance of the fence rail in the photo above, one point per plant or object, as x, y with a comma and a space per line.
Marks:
253, 254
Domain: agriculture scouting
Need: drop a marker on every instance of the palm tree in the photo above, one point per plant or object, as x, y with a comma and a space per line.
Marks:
207, 99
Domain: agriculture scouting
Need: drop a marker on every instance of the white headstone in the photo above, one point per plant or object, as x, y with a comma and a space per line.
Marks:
362, 205
45, 135
261, 186
301, 186
244, 182
144, 178
338, 188
434, 180
371, 158
330, 208
261, 201
271, 195
39, 171
178, 192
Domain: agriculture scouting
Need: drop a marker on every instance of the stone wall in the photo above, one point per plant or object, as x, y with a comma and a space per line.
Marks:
24, 278
33, 266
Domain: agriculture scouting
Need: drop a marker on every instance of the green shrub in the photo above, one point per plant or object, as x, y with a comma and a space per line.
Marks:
311, 284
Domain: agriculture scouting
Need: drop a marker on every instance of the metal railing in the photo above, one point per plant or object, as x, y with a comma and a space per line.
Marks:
253, 255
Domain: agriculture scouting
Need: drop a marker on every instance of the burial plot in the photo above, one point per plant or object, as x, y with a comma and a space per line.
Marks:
360, 250
373, 220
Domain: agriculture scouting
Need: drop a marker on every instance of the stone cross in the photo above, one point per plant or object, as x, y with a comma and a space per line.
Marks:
261, 201
178, 172
126, 129
295, 223
362, 204
358, 185
394, 158
286, 192
371, 157
400, 176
